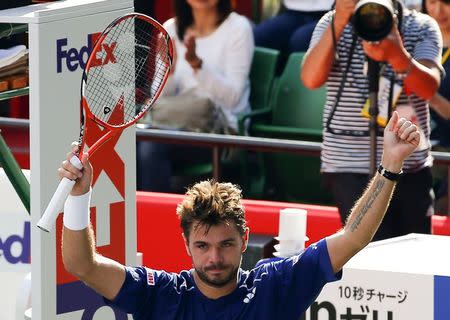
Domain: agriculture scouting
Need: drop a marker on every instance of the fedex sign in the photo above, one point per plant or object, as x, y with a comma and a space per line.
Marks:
16, 247
73, 57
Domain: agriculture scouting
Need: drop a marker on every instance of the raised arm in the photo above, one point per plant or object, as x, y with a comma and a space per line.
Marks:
401, 138
320, 56
80, 258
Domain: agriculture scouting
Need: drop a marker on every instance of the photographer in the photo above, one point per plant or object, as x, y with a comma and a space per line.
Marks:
409, 57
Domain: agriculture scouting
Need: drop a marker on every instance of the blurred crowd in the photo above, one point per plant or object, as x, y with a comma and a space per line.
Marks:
214, 48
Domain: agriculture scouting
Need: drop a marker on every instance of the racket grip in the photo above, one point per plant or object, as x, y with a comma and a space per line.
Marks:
58, 199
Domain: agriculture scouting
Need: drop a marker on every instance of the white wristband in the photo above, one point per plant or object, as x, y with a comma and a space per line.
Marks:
76, 211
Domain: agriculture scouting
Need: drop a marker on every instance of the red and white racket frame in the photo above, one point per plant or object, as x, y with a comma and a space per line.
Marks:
56, 204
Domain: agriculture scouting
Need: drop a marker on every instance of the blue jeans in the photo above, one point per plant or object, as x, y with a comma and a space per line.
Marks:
289, 31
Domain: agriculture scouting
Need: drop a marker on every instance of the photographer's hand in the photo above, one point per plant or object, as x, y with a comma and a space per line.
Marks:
420, 77
389, 50
319, 59
344, 10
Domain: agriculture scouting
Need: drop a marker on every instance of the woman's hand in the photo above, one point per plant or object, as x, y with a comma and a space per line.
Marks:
191, 55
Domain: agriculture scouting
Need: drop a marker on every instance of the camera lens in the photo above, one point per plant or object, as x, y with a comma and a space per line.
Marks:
373, 19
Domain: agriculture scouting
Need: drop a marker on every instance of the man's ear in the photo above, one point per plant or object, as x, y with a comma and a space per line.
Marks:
186, 244
245, 238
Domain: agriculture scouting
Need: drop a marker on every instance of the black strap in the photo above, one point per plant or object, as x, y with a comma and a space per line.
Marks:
400, 29
358, 133
389, 175
391, 95
341, 86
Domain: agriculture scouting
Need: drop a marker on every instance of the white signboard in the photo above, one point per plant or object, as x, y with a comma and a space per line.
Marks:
372, 295
15, 247
401, 278
61, 36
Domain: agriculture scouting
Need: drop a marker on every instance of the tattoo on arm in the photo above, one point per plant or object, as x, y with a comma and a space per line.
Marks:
378, 187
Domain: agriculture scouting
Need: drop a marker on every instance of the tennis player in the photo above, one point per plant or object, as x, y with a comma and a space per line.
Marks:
215, 235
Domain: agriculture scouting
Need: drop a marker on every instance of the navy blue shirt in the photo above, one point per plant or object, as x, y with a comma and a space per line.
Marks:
276, 290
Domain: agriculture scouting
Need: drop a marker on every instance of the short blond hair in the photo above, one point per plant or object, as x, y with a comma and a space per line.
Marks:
210, 203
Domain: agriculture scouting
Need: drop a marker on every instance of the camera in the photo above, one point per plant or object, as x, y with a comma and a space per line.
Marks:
373, 19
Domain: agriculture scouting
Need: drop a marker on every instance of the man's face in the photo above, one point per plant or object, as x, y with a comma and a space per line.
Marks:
216, 254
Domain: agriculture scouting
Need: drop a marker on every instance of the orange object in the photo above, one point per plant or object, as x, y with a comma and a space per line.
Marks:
17, 81
3, 85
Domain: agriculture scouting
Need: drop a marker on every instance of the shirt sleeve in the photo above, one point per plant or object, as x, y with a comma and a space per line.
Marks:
301, 278
429, 46
228, 87
320, 28
140, 287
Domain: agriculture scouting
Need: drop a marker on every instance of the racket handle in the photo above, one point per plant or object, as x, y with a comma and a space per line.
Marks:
58, 199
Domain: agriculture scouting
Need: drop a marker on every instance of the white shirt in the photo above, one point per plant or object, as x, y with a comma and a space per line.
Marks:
224, 76
308, 5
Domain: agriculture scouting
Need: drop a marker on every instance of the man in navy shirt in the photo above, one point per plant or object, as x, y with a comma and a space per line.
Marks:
215, 235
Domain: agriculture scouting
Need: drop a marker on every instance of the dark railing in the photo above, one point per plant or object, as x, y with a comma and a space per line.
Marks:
14, 174
218, 141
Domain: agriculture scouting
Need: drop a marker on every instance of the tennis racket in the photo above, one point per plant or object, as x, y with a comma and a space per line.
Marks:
124, 75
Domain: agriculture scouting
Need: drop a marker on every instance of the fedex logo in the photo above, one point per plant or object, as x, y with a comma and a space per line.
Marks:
74, 57
9, 245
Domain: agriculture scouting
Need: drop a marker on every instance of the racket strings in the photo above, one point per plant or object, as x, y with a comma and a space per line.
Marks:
127, 72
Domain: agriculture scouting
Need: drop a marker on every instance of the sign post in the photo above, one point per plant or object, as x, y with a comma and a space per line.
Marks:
61, 35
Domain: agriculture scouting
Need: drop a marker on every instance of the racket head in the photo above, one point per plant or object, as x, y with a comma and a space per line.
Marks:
125, 72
